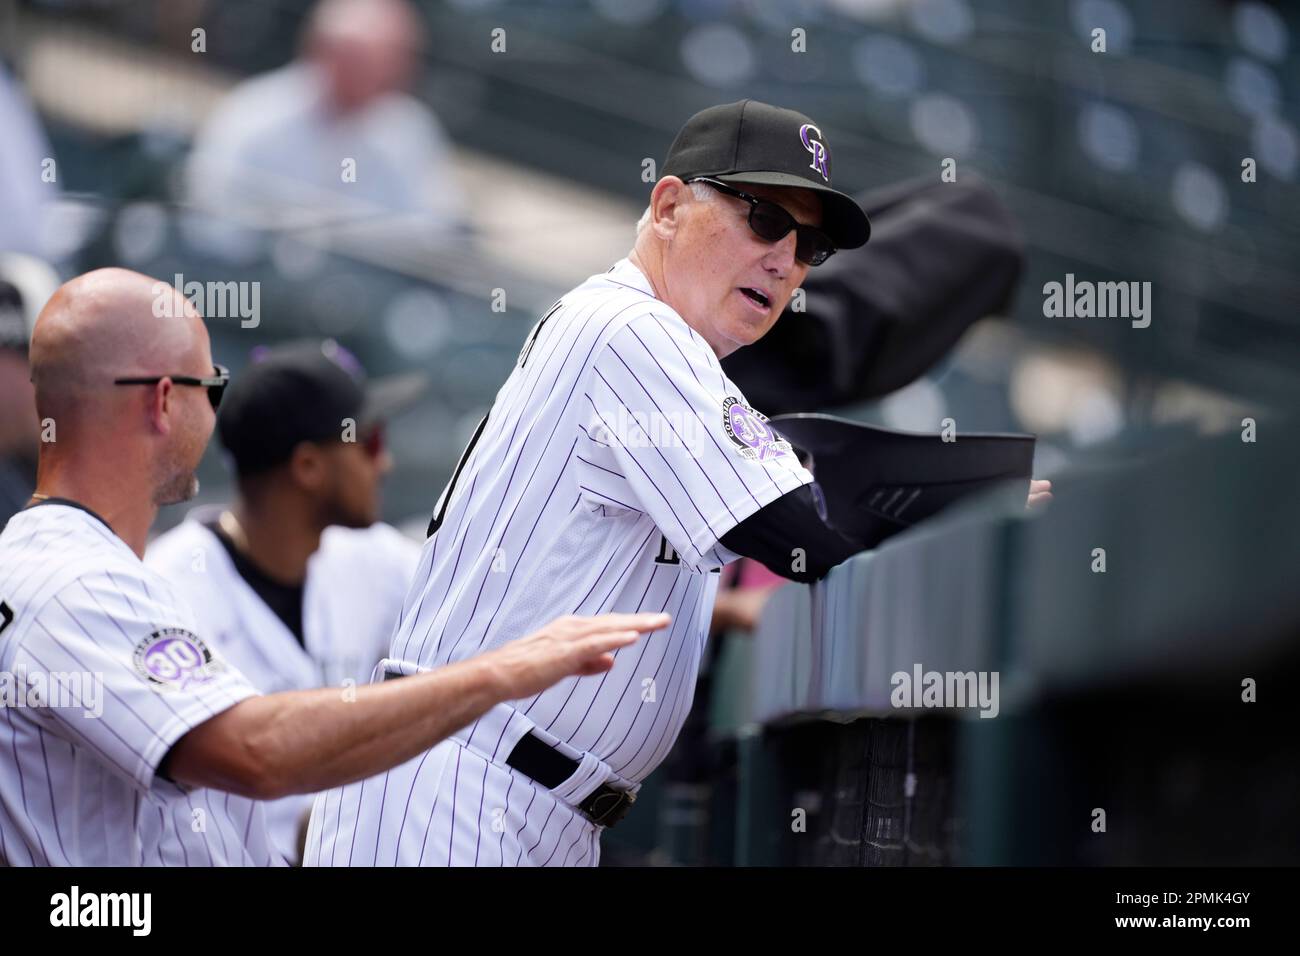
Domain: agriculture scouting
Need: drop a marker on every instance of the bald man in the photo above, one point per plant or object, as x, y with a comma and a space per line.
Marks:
333, 136
124, 739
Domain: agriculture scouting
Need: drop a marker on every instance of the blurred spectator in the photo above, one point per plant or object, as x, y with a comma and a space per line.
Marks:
332, 137
26, 188
26, 284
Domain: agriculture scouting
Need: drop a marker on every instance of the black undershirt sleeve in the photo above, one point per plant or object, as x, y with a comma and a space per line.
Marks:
771, 535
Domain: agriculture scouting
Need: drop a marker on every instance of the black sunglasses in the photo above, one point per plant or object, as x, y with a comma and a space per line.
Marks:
216, 385
771, 222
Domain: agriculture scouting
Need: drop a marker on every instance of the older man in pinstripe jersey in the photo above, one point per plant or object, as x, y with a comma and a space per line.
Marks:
618, 470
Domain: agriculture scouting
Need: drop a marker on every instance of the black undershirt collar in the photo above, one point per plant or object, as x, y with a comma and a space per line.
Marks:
285, 600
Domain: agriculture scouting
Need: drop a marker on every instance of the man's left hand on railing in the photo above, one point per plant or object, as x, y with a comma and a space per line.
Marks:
1040, 492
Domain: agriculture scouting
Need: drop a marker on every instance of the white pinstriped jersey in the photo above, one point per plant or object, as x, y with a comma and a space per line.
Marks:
351, 599
612, 461
101, 671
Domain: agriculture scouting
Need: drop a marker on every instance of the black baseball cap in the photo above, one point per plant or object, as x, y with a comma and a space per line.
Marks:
753, 142
303, 391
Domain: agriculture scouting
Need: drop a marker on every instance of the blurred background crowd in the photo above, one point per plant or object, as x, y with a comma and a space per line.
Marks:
198, 139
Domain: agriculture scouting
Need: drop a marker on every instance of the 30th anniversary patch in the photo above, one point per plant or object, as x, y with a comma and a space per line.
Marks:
173, 658
750, 432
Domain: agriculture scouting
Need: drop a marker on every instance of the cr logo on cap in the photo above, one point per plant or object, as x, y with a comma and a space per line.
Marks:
817, 148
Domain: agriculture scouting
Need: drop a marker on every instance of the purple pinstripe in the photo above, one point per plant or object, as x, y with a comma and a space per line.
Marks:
468, 517
383, 802
226, 815
425, 842
320, 852
515, 564
681, 524
455, 789
558, 337
519, 834
10, 586
49, 782
405, 810
501, 854
667, 465
668, 420
582, 831
592, 464
419, 607
81, 627
725, 457
185, 853
610, 498
560, 840
625, 768
613, 751
139, 756
433, 813
681, 691
541, 834
352, 844
574, 681
88, 741
478, 833
518, 458
644, 643
451, 577
23, 788
248, 824
583, 428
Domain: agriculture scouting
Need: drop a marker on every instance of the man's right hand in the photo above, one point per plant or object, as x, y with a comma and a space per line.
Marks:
304, 741
568, 646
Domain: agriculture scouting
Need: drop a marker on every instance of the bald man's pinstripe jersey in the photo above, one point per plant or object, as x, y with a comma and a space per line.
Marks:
78, 770
605, 474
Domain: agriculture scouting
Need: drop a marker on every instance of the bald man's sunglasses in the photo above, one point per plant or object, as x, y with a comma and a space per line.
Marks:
216, 385
772, 223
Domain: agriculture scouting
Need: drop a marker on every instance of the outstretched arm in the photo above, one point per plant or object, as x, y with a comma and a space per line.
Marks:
304, 741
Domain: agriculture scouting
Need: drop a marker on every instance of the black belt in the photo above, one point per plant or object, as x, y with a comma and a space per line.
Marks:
537, 759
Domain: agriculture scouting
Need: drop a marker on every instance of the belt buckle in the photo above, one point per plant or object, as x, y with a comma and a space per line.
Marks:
607, 808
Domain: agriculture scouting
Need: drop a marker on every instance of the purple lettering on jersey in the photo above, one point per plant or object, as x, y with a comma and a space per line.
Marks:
173, 658
750, 432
